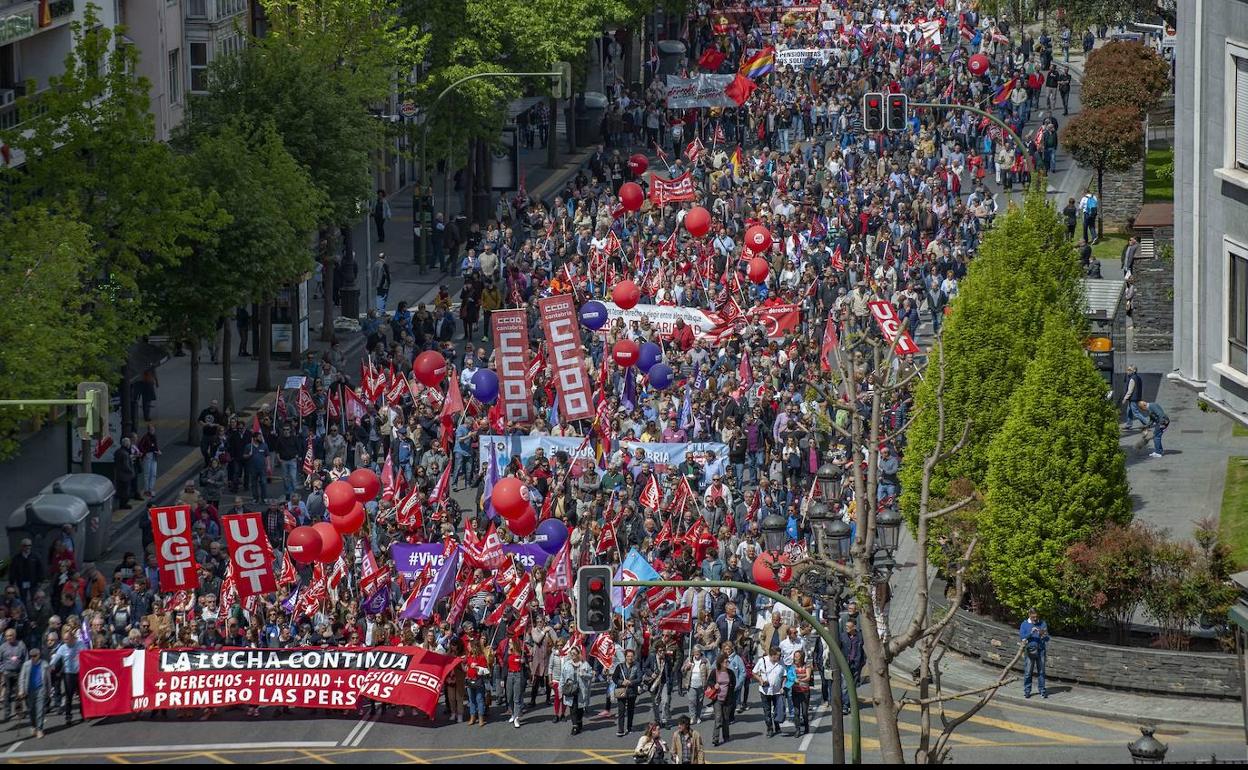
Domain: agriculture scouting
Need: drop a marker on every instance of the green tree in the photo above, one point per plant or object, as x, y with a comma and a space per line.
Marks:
1023, 271
50, 339
1105, 139
1056, 477
91, 155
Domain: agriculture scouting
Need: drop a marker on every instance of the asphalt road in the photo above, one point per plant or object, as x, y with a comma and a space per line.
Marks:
1002, 733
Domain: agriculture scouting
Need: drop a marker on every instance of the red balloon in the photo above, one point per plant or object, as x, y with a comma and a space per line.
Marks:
524, 524
765, 577
508, 498
631, 196
625, 353
758, 238
339, 497
626, 294
759, 269
698, 221
365, 484
304, 545
351, 523
978, 64
430, 368
331, 542
638, 163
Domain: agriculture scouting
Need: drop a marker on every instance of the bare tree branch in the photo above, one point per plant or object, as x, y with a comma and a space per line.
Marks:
957, 695
966, 434
959, 505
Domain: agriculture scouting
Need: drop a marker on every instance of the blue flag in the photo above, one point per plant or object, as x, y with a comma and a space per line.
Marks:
686, 410
553, 417
791, 529
634, 567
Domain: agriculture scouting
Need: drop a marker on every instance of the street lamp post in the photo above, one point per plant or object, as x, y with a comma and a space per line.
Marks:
425, 185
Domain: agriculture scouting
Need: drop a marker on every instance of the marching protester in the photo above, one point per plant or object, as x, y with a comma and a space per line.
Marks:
647, 386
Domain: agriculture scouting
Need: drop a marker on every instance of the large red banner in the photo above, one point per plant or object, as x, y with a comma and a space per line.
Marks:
175, 558
251, 556
115, 682
674, 190
890, 326
563, 334
511, 346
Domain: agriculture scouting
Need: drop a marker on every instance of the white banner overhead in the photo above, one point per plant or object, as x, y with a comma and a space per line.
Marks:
701, 91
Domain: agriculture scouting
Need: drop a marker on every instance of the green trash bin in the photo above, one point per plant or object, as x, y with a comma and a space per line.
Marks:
97, 492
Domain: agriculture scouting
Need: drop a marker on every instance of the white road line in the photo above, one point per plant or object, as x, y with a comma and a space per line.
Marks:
363, 733
13, 748
347, 741
101, 750
814, 727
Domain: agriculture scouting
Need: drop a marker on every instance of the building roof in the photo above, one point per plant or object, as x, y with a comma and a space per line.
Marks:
1153, 215
1102, 296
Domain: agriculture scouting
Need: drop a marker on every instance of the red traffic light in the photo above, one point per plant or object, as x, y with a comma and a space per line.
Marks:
595, 585
873, 102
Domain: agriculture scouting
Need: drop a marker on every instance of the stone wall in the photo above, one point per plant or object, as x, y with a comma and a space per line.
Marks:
1154, 299
1191, 674
1122, 196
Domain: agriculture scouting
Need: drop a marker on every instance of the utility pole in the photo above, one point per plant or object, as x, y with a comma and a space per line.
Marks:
92, 404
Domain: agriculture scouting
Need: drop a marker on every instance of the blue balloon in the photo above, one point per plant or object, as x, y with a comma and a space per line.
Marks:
651, 354
485, 386
661, 376
593, 314
551, 535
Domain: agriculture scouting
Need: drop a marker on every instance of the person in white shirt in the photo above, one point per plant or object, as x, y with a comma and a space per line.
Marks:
789, 645
769, 672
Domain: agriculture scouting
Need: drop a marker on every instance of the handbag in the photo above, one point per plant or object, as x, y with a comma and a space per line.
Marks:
710, 692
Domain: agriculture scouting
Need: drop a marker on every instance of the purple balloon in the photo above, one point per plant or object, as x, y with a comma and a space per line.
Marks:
650, 355
550, 536
485, 386
661, 376
593, 314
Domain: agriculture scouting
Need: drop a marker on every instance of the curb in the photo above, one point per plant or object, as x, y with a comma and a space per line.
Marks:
1085, 711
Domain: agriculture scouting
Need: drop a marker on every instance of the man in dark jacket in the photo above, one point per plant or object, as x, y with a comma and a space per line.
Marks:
851, 646
26, 571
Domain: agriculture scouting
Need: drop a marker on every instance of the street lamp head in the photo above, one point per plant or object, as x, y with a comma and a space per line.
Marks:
774, 534
1147, 750
828, 477
838, 534
888, 528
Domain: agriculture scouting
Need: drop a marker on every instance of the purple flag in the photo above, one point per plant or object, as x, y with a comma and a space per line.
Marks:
378, 602
441, 585
289, 605
629, 399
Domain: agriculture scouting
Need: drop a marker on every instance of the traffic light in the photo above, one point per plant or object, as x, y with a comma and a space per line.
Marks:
898, 111
93, 415
873, 111
593, 599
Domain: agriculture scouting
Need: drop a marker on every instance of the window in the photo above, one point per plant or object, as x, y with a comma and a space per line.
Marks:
230, 44
175, 79
1237, 312
199, 67
1241, 112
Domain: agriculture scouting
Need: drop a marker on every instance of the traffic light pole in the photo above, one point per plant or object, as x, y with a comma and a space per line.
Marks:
22, 403
829, 641
1031, 167
425, 184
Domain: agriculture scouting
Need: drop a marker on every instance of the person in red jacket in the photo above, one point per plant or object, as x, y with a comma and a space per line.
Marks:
682, 335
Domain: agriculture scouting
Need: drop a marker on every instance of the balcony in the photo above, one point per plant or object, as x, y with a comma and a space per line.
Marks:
15, 113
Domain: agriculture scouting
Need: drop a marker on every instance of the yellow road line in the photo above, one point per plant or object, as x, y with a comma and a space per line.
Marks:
605, 758
118, 759
969, 740
410, 756
314, 756
504, 755
220, 760
1015, 727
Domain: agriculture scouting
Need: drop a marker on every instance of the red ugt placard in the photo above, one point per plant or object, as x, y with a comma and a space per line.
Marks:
171, 532
251, 556
563, 334
890, 326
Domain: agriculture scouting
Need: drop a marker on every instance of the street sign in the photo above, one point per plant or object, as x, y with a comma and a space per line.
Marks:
408, 109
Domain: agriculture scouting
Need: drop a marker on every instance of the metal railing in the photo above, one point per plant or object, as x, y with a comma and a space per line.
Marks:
17, 113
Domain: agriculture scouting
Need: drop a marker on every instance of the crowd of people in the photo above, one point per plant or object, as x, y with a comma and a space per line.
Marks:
854, 217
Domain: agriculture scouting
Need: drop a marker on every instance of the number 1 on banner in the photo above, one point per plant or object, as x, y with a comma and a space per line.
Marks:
136, 661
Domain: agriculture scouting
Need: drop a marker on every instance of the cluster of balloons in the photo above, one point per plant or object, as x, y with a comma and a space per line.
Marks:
511, 500
345, 500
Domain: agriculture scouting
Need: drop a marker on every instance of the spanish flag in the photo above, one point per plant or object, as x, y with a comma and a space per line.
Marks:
737, 162
760, 63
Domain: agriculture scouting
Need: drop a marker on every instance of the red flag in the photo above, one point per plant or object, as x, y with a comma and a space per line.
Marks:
407, 515
451, 407
560, 576
680, 500
388, 485
305, 403
333, 406
745, 372
711, 59
830, 343
838, 261
410, 604
487, 553
665, 532
372, 577
679, 620
694, 149
354, 406
442, 490
309, 458
287, 577
739, 89
719, 134
607, 542
517, 598
255, 425
651, 497
603, 650
657, 597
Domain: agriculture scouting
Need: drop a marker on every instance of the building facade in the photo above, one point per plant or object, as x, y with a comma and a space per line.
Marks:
1211, 204
154, 28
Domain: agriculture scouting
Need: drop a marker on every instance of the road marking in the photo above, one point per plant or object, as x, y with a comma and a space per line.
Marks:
351, 735
1015, 727
814, 727
13, 748
314, 756
412, 757
914, 728
86, 752
602, 758
220, 760
504, 755
359, 738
